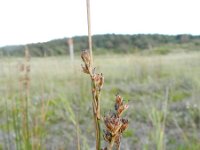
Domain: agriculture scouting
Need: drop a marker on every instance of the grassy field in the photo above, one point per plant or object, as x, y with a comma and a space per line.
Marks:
163, 93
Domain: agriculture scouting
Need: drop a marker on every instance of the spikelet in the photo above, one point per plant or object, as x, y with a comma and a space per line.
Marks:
115, 125
85, 55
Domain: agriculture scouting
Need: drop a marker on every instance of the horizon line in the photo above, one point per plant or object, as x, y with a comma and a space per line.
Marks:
28, 43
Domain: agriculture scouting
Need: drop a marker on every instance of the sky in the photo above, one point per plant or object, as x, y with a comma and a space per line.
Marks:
31, 21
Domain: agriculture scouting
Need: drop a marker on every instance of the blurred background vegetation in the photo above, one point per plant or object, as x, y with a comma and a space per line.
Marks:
158, 76
114, 43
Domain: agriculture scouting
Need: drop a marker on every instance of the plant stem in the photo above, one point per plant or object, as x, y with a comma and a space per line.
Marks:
118, 148
78, 132
95, 96
89, 29
96, 120
78, 136
110, 146
99, 134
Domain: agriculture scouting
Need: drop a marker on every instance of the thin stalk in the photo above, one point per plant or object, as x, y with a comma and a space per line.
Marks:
15, 126
110, 146
18, 118
118, 147
78, 137
99, 135
25, 89
97, 125
7, 109
95, 103
89, 30
7, 127
28, 145
78, 133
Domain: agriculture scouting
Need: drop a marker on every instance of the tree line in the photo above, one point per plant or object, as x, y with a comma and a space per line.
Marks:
115, 43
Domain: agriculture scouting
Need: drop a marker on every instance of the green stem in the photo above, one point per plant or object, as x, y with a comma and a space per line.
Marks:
97, 129
99, 135
96, 119
28, 145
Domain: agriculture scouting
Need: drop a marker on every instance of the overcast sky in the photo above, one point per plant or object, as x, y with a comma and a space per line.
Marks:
28, 21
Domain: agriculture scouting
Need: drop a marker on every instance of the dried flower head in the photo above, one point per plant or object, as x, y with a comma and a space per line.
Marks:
115, 125
120, 107
85, 55
85, 69
98, 80
107, 136
124, 125
119, 99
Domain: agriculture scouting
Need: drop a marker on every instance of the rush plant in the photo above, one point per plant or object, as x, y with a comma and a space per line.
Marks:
115, 125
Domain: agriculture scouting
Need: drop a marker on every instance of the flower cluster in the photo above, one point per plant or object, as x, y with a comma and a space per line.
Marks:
87, 68
97, 81
85, 55
115, 125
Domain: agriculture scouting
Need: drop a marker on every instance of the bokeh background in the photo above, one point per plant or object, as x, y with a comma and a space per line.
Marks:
148, 51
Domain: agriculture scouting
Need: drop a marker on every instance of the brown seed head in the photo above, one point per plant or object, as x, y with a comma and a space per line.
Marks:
118, 139
99, 80
115, 125
124, 125
107, 136
112, 124
121, 109
119, 99
85, 69
85, 55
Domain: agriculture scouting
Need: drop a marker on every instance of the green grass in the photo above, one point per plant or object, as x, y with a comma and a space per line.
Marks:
60, 101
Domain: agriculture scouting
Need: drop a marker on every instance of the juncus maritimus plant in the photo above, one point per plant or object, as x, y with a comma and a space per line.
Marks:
115, 125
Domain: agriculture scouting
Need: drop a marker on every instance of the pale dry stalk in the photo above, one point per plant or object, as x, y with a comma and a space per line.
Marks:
24, 81
88, 69
97, 81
